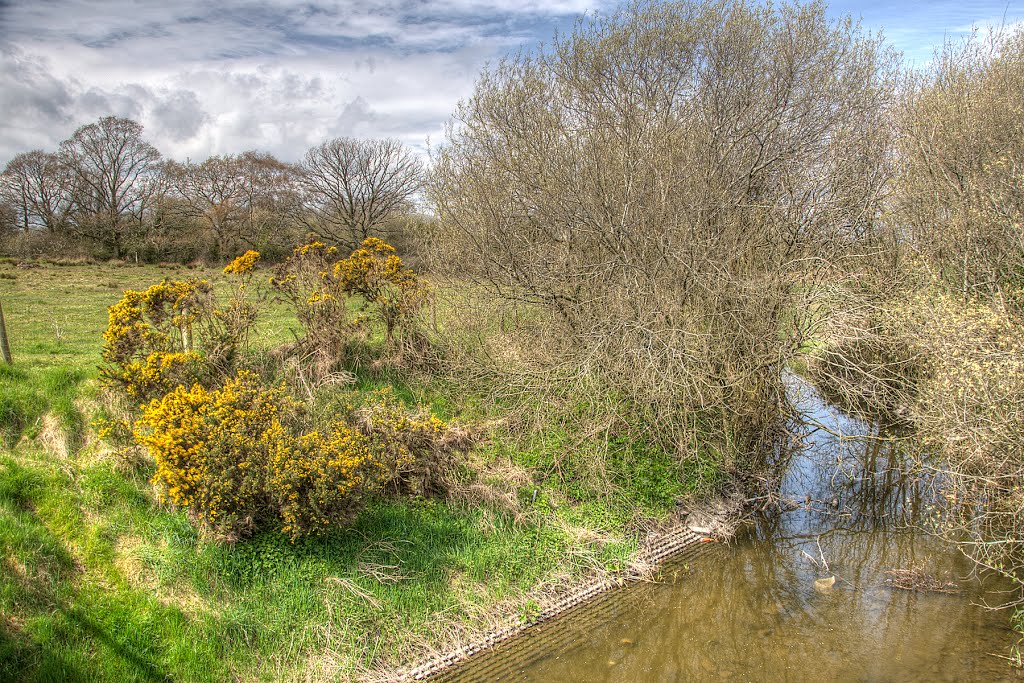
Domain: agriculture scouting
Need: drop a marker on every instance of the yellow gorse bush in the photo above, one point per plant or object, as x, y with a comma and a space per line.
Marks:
148, 343
320, 287
234, 458
244, 264
305, 280
232, 324
375, 272
319, 479
418, 447
174, 333
210, 448
234, 455
159, 373
157, 318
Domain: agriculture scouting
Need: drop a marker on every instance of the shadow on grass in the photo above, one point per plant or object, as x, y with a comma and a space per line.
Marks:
130, 658
27, 395
155, 601
418, 536
21, 659
45, 635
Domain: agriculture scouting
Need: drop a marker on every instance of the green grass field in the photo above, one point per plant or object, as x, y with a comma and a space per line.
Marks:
101, 581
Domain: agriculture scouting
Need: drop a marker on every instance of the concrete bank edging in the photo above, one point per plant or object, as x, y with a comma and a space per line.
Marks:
657, 549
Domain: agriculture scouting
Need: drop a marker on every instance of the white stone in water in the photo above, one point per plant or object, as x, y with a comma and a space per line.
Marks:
824, 585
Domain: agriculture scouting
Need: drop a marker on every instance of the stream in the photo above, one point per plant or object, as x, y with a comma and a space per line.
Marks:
761, 608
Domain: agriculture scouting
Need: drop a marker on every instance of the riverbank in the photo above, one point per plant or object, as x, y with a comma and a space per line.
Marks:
818, 591
101, 581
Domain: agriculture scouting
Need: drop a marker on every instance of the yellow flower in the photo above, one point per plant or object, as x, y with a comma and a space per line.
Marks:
243, 264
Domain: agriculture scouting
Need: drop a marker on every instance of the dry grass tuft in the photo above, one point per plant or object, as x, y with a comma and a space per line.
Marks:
352, 589
718, 518
128, 560
53, 436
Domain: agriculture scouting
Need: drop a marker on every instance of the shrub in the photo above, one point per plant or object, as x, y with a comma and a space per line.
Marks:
873, 361
971, 410
244, 264
173, 333
159, 373
959, 196
419, 447
306, 281
395, 293
320, 286
148, 345
211, 449
236, 459
232, 324
953, 369
321, 479
657, 241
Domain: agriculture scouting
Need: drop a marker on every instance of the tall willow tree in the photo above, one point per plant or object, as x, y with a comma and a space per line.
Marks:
663, 187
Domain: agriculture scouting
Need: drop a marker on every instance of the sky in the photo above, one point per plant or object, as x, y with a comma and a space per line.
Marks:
225, 76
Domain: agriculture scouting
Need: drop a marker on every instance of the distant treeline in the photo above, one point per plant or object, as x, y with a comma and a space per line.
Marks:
108, 193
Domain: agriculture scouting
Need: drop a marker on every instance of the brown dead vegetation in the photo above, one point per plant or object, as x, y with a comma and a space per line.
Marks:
646, 209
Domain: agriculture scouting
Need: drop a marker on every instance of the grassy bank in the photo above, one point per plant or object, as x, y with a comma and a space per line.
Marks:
101, 581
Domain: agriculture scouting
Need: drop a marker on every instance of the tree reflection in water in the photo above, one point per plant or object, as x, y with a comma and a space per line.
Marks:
750, 610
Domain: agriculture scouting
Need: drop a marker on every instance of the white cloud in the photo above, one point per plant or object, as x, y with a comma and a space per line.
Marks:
277, 76
212, 78
917, 28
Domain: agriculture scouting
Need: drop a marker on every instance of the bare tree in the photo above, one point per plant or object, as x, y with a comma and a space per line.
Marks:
353, 186
271, 196
112, 169
8, 216
960, 193
37, 184
661, 192
215, 191
945, 351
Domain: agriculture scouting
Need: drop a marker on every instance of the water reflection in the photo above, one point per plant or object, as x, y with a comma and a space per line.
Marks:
752, 610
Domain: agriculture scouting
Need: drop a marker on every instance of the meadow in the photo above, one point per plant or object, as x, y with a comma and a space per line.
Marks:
103, 581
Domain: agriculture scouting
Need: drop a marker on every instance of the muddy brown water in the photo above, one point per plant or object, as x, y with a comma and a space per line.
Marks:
754, 610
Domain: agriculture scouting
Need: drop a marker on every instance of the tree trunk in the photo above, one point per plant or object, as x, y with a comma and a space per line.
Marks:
24, 210
5, 346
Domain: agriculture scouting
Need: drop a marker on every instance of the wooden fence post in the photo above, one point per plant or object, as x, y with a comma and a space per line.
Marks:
5, 346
